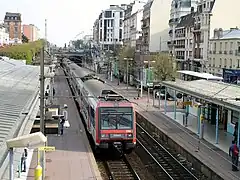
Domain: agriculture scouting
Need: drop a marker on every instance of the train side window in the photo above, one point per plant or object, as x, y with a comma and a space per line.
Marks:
92, 116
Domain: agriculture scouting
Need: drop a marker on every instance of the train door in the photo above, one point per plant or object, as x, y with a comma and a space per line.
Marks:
92, 121
89, 118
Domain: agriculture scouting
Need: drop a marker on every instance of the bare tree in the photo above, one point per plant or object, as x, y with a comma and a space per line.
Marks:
163, 67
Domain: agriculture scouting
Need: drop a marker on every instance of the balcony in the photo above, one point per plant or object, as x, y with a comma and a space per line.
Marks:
179, 57
179, 46
180, 35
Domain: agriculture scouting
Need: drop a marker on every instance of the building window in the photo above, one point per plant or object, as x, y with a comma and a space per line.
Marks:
120, 23
15, 29
108, 23
220, 46
120, 34
214, 47
235, 117
108, 14
225, 62
225, 46
112, 21
113, 14
15, 35
231, 45
121, 14
238, 63
220, 62
101, 23
230, 63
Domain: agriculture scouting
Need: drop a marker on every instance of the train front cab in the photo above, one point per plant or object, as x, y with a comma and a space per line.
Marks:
116, 128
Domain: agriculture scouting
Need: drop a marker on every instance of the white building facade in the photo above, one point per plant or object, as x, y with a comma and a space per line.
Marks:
4, 36
132, 24
111, 27
224, 51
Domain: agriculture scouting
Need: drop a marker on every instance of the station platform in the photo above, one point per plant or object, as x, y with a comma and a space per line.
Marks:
73, 158
213, 155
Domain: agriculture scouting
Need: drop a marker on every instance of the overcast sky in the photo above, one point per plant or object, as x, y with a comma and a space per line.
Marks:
66, 18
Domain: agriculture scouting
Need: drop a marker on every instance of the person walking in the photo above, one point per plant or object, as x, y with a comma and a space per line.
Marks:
62, 121
234, 153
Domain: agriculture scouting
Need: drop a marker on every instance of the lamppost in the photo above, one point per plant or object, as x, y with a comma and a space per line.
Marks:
127, 59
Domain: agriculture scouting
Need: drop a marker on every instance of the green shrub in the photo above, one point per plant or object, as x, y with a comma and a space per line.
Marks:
23, 51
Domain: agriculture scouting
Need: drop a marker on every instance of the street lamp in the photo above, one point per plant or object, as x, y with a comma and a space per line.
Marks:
127, 59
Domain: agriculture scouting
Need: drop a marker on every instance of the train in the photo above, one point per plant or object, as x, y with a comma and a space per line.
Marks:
109, 117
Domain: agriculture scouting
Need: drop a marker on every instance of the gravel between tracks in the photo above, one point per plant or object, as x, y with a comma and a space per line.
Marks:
139, 167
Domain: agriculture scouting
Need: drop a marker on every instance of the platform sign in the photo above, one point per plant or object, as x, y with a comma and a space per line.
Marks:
187, 103
47, 148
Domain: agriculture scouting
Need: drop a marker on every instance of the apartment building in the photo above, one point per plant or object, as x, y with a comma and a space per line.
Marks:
201, 36
31, 32
4, 36
183, 41
132, 24
12, 22
111, 27
224, 51
180, 28
146, 27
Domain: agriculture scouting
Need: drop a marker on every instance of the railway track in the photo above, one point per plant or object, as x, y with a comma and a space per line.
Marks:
120, 169
171, 167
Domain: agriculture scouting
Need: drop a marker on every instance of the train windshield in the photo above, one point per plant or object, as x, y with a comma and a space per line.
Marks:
116, 118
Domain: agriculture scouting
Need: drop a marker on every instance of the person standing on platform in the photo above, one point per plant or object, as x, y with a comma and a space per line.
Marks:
62, 121
234, 153
23, 162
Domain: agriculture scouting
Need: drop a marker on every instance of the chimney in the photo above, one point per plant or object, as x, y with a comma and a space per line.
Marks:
220, 33
215, 33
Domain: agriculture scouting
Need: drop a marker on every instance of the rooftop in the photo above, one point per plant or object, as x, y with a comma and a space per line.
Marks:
186, 21
18, 85
233, 33
206, 76
12, 16
212, 91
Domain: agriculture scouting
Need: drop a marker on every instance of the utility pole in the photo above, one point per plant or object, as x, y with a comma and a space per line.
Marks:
42, 108
127, 73
42, 99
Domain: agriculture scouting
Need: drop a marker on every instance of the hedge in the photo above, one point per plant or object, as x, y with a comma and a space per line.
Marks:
23, 51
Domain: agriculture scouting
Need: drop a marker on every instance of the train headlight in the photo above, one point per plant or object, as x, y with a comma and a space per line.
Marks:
104, 135
129, 135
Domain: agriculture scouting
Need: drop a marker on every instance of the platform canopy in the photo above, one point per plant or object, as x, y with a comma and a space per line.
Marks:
220, 93
31, 141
